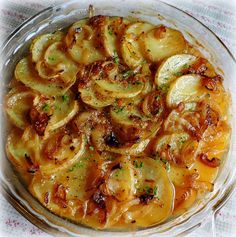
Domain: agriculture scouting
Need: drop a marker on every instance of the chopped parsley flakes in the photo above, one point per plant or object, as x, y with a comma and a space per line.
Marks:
45, 107
65, 98
116, 57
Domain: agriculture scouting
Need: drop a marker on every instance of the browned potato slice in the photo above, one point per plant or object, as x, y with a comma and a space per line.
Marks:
26, 74
130, 48
18, 104
80, 43
40, 44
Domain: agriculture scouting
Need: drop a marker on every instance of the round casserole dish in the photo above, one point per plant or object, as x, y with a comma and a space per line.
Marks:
64, 15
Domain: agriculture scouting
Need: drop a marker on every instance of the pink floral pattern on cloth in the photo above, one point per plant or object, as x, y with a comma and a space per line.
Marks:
219, 16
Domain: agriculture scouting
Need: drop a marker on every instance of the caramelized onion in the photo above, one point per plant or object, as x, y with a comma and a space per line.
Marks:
214, 162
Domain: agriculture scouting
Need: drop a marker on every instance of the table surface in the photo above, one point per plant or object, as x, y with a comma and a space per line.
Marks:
219, 16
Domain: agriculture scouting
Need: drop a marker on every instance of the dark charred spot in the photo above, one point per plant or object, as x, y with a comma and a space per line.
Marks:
46, 197
117, 166
72, 148
77, 95
112, 140
146, 198
99, 199
28, 159
33, 168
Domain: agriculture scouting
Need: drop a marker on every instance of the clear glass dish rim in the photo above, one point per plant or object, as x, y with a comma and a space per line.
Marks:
23, 210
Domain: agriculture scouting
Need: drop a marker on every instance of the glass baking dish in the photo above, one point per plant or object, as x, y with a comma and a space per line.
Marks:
62, 16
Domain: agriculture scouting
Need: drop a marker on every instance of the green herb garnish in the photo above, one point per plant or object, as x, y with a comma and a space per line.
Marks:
45, 107
65, 98
127, 74
76, 166
164, 88
51, 58
178, 74
167, 164
186, 66
138, 164
91, 148
155, 191
119, 109
116, 57
110, 31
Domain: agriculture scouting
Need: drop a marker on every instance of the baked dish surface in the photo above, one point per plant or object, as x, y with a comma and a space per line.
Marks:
116, 123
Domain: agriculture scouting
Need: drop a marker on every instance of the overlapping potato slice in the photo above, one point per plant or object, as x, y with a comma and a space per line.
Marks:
130, 48
186, 88
60, 151
65, 108
21, 151
29, 151
57, 64
26, 74
162, 42
65, 192
40, 44
80, 43
155, 192
176, 148
111, 32
18, 104
128, 110
99, 135
172, 67
120, 90
120, 182
92, 96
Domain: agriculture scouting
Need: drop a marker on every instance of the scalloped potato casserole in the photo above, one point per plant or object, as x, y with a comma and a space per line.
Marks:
116, 123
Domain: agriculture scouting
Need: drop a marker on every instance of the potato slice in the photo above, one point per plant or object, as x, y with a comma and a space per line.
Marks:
162, 42
111, 32
72, 183
58, 60
177, 148
122, 114
22, 153
98, 138
120, 182
26, 74
18, 105
92, 96
130, 48
172, 68
80, 43
65, 108
40, 44
57, 154
175, 140
119, 89
186, 88
155, 191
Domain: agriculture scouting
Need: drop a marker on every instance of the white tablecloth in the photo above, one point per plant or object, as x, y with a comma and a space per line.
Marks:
220, 16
